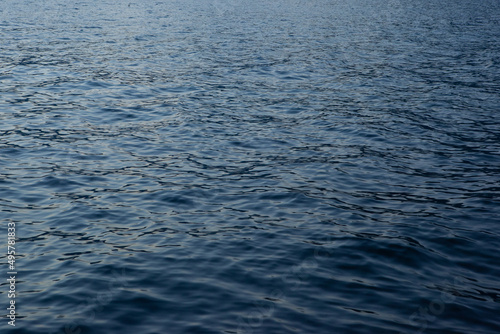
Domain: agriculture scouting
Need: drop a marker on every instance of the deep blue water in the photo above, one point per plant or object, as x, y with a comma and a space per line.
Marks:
227, 166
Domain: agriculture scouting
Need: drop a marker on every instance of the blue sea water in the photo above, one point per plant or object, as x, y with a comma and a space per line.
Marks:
229, 166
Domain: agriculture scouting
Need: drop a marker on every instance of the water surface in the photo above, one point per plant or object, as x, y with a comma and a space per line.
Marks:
252, 167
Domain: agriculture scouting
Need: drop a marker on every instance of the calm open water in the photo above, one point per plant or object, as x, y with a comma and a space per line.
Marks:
237, 167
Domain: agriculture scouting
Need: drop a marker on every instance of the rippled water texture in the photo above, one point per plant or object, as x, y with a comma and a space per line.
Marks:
251, 166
